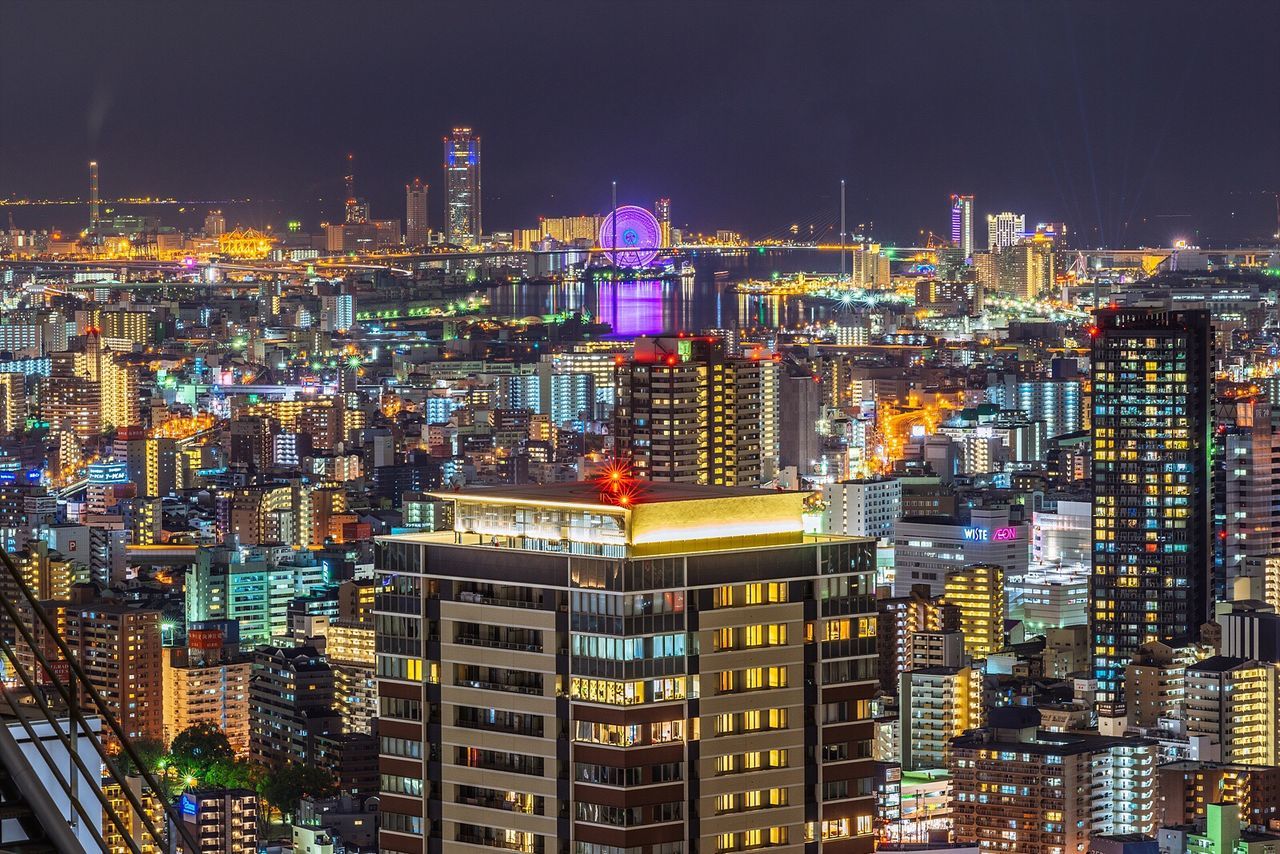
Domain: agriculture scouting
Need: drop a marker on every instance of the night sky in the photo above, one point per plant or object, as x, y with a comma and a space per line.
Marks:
1137, 123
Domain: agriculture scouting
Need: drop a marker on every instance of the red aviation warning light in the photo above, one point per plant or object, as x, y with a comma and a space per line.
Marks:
618, 485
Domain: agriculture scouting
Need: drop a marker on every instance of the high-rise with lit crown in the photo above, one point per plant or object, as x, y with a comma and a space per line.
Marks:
962, 223
1004, 230
462, 187
1152, 388
625, 666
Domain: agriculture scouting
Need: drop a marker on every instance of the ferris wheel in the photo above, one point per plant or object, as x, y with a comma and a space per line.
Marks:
630, 236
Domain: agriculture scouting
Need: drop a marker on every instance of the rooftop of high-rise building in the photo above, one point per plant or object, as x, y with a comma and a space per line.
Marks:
594, 493
617, 511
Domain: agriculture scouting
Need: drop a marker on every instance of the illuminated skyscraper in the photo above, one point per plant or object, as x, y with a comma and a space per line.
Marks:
462, 187
1005, 229
1244, 484
690, 414
570, 667
962, 223
207, 682
1233, 702
119, 647
416, 229
978, 592
13, 402
1025, 269
89, 389
662, 210
356, 211
937, 704
215, 224
1152, 387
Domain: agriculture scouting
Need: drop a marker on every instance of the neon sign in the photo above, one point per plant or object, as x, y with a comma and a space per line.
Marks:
982, 535
105, 473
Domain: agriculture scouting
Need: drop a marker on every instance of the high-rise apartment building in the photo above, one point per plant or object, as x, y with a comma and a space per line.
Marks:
636, 667
123, 325
462, 187
1152, 387
1019, 788
119, 648
978, 593
1025, 269
599, 359
349, 651
207, 682
47, 572
899, 619
962, 223
337, 312
1005, 229
221, 821
1233, 702
935, 705
1187, 787
134, 827
89, 389
291, 703
862, 508
688, 413
416, 227
1246, 524
215, 224
662, 210
13, 403
1155, 682
1059, 403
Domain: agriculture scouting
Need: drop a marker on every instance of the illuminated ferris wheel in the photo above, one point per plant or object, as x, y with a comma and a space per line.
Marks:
631, 236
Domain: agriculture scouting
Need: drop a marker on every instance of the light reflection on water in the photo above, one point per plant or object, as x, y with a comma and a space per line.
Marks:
656, 307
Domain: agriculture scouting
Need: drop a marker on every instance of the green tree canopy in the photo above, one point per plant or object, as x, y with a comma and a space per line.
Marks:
283, 787
198, 748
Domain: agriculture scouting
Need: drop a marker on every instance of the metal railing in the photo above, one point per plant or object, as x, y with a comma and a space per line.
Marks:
72, 685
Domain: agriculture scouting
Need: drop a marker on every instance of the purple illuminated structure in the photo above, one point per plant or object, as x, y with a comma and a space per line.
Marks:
637, 233
962, 223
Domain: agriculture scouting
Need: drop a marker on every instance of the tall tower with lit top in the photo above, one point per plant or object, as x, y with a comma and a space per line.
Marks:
95, 207
462, 187
962, 223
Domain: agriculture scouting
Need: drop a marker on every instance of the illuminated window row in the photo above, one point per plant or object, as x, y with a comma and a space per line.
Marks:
753, 720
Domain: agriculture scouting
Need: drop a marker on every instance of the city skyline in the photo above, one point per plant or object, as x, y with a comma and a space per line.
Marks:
1069, 141
660, 428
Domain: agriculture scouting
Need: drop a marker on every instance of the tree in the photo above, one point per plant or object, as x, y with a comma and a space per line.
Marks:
283, 787
198, 748
150, 751
229, 774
